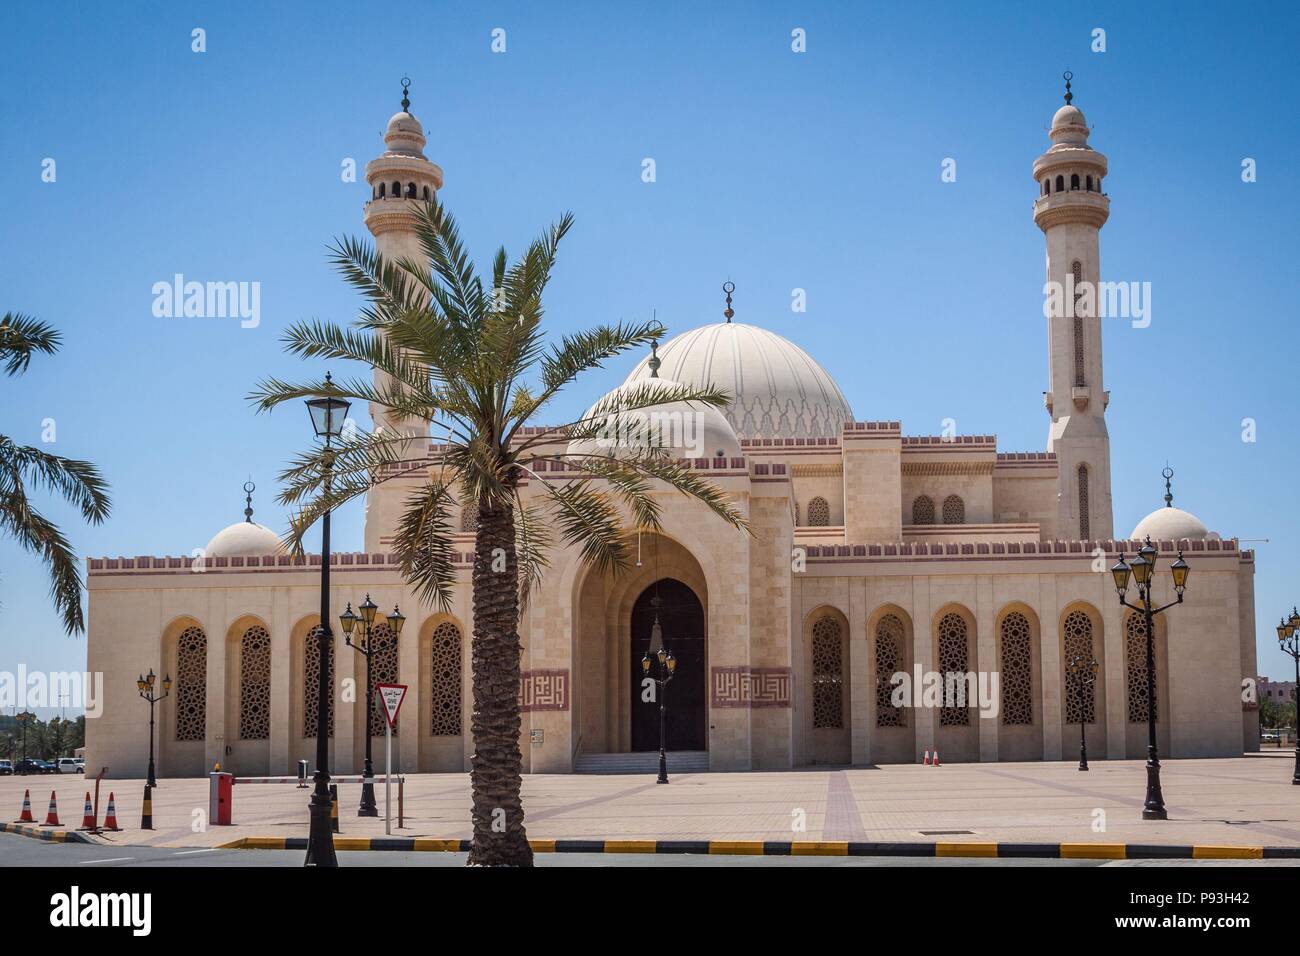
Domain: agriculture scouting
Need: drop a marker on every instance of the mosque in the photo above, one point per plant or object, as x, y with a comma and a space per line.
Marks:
873, 552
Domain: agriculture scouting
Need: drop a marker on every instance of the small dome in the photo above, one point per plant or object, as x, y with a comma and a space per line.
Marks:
1069, 128
1069, 115
777, 389
245, 539
405, 135
1171, 524
404, 122
688, 429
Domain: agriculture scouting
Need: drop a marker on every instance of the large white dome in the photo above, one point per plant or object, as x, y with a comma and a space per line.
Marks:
246, 539
687, 429
1171, 524
777, 389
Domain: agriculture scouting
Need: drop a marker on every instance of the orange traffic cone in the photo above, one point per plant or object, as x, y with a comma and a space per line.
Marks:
26, 815
52, 817
936, 758
927, 758
110, 817
88, 816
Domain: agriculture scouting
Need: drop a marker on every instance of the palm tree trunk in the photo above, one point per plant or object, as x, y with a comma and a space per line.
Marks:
498, 814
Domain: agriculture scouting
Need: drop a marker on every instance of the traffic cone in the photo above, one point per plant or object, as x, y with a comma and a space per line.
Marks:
26, 815
936, 758
88, 815
146, 812
927, 758
334, 808
52, 817
110, 818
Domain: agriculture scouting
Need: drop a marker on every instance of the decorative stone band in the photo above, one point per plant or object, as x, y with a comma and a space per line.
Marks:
1033, 549
546, 689
944, 442
751, 687
349, 561
947, 468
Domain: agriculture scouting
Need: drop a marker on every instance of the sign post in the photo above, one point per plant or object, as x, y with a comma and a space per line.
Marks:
392, 695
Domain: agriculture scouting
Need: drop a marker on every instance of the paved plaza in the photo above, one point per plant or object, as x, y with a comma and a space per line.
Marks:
1246, 801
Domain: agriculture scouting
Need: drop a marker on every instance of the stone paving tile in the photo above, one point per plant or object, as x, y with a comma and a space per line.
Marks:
1011, 802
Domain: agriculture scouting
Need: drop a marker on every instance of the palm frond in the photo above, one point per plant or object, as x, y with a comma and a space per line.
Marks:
423, 544
20, 336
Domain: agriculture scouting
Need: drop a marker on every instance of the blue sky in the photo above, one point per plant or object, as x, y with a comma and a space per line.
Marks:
777, 170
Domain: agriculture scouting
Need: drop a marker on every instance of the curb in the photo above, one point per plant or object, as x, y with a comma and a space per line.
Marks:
51, 836
1050, 851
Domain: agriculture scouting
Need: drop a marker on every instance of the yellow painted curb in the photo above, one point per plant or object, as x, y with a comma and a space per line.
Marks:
1094, 851
629, 846
444, 846
736, 847
1227, 853
966, 849
539, 846
820, 848
352, 843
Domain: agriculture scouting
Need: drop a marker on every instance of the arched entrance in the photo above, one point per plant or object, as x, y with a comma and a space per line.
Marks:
681, 622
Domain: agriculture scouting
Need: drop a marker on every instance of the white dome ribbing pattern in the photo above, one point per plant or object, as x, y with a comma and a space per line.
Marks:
777, 389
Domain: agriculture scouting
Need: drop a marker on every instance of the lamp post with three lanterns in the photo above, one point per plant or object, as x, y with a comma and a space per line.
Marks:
366, 648
1143, 571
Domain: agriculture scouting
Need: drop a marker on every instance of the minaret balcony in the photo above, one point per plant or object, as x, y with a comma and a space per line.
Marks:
1075, 205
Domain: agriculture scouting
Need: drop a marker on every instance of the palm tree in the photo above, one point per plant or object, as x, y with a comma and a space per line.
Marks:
474, 364
21, 467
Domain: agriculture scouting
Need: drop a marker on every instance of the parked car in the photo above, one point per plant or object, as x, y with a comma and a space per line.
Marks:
6, 768
32, 765
1269, 737
69, 765
81, 764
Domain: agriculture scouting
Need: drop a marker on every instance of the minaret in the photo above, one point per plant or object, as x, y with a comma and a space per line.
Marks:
1071, 209
400, 178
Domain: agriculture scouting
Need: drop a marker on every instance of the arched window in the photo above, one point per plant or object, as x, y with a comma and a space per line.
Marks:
1060, 184
819, 512
311, 683
954, 510
426, 193
1079, 357
890, 635
1047, 186
1074, 181
410, 190
1135, 661
397, 189
444, 688
828, 674
1017, 671
255, 684
383, 670
954, 664
1089, 184
192, 684
382, 188
1085, 525
1080, 695
923, 510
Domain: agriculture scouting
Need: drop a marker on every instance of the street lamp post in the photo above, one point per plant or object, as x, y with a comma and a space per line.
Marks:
327, 416
665, 668
1143, 571
366, 649
145, 684
1083, 672
25, 718
1290, 640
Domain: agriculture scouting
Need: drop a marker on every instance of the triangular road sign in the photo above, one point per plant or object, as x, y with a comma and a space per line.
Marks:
392, 695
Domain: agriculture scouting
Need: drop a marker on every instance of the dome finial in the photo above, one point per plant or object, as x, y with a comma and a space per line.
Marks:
1068, 76
1169, 495
728, 287
249, 488
655, 361
406, 99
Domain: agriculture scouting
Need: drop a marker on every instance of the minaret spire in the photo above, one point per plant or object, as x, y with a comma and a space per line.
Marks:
1068, 76
1169, 495
728, 287
406, 99
655, 361
249, 488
